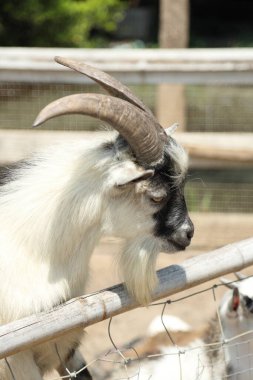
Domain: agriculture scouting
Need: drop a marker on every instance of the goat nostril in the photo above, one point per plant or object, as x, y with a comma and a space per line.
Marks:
183, 235
190, 234
190, 231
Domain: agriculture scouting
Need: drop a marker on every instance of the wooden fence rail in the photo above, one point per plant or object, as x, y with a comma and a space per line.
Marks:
213, 149
90, 309
137, 66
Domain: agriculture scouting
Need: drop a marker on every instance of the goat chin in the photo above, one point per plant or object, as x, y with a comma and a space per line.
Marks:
137, 265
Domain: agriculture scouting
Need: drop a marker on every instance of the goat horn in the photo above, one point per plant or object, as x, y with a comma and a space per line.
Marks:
229, 284
172, 129
146, 139
110, 84
240, 276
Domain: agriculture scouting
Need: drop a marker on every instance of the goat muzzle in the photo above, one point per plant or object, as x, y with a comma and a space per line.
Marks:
183, 235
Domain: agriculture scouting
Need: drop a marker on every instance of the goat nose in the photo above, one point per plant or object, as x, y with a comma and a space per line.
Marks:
190, 230
184, 233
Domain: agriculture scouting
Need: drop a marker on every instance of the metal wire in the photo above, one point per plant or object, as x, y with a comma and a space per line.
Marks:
127, 363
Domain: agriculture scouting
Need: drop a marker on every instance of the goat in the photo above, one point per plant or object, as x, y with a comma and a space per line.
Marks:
159, 355
236, 314
55, 206
200, 356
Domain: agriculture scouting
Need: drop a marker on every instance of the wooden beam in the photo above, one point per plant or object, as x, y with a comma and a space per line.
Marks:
89, 309
220, 146
137, 66
232, 148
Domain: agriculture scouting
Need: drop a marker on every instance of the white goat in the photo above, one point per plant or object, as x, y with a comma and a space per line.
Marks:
160, 359
56, 206
236, 313
199, 359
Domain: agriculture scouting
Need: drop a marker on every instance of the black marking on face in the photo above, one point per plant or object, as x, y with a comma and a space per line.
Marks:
171, 215
173, 210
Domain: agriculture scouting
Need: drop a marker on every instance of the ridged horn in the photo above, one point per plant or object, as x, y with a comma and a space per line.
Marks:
146, 138
110, 84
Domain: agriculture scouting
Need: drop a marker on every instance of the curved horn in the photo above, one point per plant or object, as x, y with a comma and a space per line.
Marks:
240, 276
110, 84
229, 284
146, 139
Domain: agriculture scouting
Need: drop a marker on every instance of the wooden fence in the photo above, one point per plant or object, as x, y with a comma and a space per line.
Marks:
135, 66
213, 149
138, 66
90, 309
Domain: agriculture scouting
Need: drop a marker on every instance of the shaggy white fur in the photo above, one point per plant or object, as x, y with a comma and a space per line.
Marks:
53, 212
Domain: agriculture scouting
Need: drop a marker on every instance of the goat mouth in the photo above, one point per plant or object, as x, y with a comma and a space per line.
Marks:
178, 246
172, 246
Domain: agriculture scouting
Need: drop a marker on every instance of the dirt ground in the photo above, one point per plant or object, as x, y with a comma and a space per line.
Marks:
211, 231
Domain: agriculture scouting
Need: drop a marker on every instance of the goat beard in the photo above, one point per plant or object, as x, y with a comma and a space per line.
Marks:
137, 265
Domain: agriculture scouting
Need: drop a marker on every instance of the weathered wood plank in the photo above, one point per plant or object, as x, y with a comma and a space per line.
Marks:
131, 65
87, 310
219, 146
216, 147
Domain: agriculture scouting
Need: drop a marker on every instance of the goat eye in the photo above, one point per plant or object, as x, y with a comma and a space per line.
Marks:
158, 199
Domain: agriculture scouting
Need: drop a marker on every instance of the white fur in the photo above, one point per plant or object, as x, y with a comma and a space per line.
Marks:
52, 214
177, 363
171, 322
238, 352
190, 364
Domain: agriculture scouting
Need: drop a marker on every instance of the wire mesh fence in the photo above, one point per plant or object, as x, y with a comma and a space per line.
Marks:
174, 349
216, 197
206, 356
208, 108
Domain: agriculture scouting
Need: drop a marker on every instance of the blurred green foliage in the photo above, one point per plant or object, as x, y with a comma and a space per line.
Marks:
62, 23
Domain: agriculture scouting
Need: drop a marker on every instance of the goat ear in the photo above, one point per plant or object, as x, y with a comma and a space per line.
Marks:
129, 174
235, 299
171, 130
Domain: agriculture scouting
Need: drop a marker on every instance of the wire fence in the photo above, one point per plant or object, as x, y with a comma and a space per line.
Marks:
174, 360
141, 359
207, 108
200, 359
